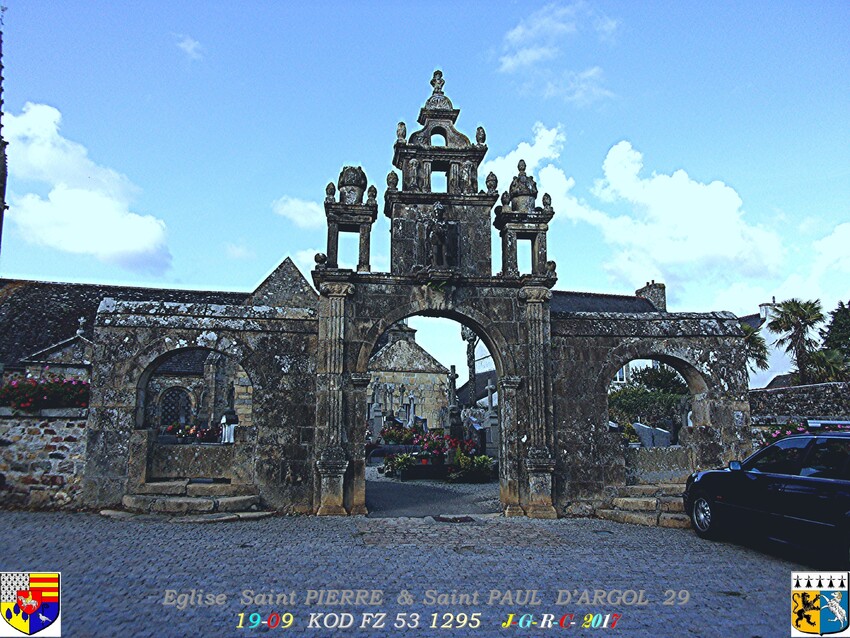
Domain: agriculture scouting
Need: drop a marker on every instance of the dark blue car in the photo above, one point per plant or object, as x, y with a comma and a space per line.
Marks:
797, 490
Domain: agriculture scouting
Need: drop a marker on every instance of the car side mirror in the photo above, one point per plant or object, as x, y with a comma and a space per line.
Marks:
735, 466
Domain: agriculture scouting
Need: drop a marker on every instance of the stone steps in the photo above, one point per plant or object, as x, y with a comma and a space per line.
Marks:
651, 505
187, 497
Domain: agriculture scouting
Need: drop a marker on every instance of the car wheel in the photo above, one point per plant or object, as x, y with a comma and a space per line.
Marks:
704, 517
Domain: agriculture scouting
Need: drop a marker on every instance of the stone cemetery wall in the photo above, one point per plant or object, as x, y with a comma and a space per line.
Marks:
831, 400
42, 458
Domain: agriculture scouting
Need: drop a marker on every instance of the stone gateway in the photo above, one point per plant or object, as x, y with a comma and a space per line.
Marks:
294, 371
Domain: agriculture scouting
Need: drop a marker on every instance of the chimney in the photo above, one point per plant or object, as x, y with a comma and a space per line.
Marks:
655, 293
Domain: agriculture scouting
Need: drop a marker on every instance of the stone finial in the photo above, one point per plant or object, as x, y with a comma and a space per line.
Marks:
392, 181
401, 132
438, 82
547, 201
330, 192
372, 196
352, 184
82, 324
523, 190
321, 259
480, 136
492, 184
506, 202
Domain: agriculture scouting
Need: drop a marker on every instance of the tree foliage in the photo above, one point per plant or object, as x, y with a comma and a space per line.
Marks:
794, 320
662, 379
836, 334
756, 348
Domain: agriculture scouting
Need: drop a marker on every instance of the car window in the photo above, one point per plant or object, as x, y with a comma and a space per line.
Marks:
827, 459
783, 457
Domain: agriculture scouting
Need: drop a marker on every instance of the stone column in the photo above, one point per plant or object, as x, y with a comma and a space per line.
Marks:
539, 463
509, 447
332, 461
355, 484
363, 260
538, 266
509, 253
333, 244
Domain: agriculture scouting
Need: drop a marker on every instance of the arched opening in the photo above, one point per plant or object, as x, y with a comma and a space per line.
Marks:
651, 401
438, 136
433, 429
193, 403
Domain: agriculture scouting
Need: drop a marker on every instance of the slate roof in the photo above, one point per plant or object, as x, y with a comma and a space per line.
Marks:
567, 302
35, 315
754, 321
480, 387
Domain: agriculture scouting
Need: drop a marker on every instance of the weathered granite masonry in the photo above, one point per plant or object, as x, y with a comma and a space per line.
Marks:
821, 400
276, 349
42, 458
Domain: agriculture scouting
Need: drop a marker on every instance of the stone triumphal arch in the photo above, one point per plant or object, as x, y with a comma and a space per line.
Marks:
305, 355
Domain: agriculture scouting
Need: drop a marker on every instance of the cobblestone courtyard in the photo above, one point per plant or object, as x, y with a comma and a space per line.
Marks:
116, 572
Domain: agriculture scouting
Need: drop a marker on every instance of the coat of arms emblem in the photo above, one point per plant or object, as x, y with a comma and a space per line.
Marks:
819, 604
29, 604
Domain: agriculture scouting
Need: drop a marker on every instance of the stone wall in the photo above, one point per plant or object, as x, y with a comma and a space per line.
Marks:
42, 458
824, 400
429, 388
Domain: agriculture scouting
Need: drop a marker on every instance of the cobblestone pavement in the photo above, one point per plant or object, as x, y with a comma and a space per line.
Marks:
390, 497
115, 573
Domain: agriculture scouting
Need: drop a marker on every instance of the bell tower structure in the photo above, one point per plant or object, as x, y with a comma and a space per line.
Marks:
439, 233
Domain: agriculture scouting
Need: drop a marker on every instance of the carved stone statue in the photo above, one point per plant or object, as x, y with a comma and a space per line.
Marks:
330, 191
547, 201
392, 181
492, 184
437, 243
467, 177
401, 132
506, 202
480, 135
438, 82
372, 196
412, 176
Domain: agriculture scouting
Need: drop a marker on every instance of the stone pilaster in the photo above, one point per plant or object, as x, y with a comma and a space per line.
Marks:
539, 463
509, 444
355, 484
333, 462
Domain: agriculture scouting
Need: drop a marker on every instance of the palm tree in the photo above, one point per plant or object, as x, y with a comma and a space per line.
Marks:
793, 320
829, 365
756, 348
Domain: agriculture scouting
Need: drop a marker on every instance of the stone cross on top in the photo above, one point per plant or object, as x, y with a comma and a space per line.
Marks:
490, 387
453, 376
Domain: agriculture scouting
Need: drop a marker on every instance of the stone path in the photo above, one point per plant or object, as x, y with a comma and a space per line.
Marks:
116, 573
389, 497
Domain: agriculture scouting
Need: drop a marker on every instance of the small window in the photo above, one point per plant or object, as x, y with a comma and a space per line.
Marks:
782, 458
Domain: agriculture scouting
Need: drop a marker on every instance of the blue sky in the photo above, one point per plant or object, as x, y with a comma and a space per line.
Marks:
706, 145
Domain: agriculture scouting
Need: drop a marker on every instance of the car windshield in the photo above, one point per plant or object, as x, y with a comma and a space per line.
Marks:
783, 457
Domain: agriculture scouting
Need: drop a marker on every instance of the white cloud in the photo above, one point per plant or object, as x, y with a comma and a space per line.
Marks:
302, 213
87, 208
306, 260
541, 37
238, 251
191, 47
581, 88
546, 145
